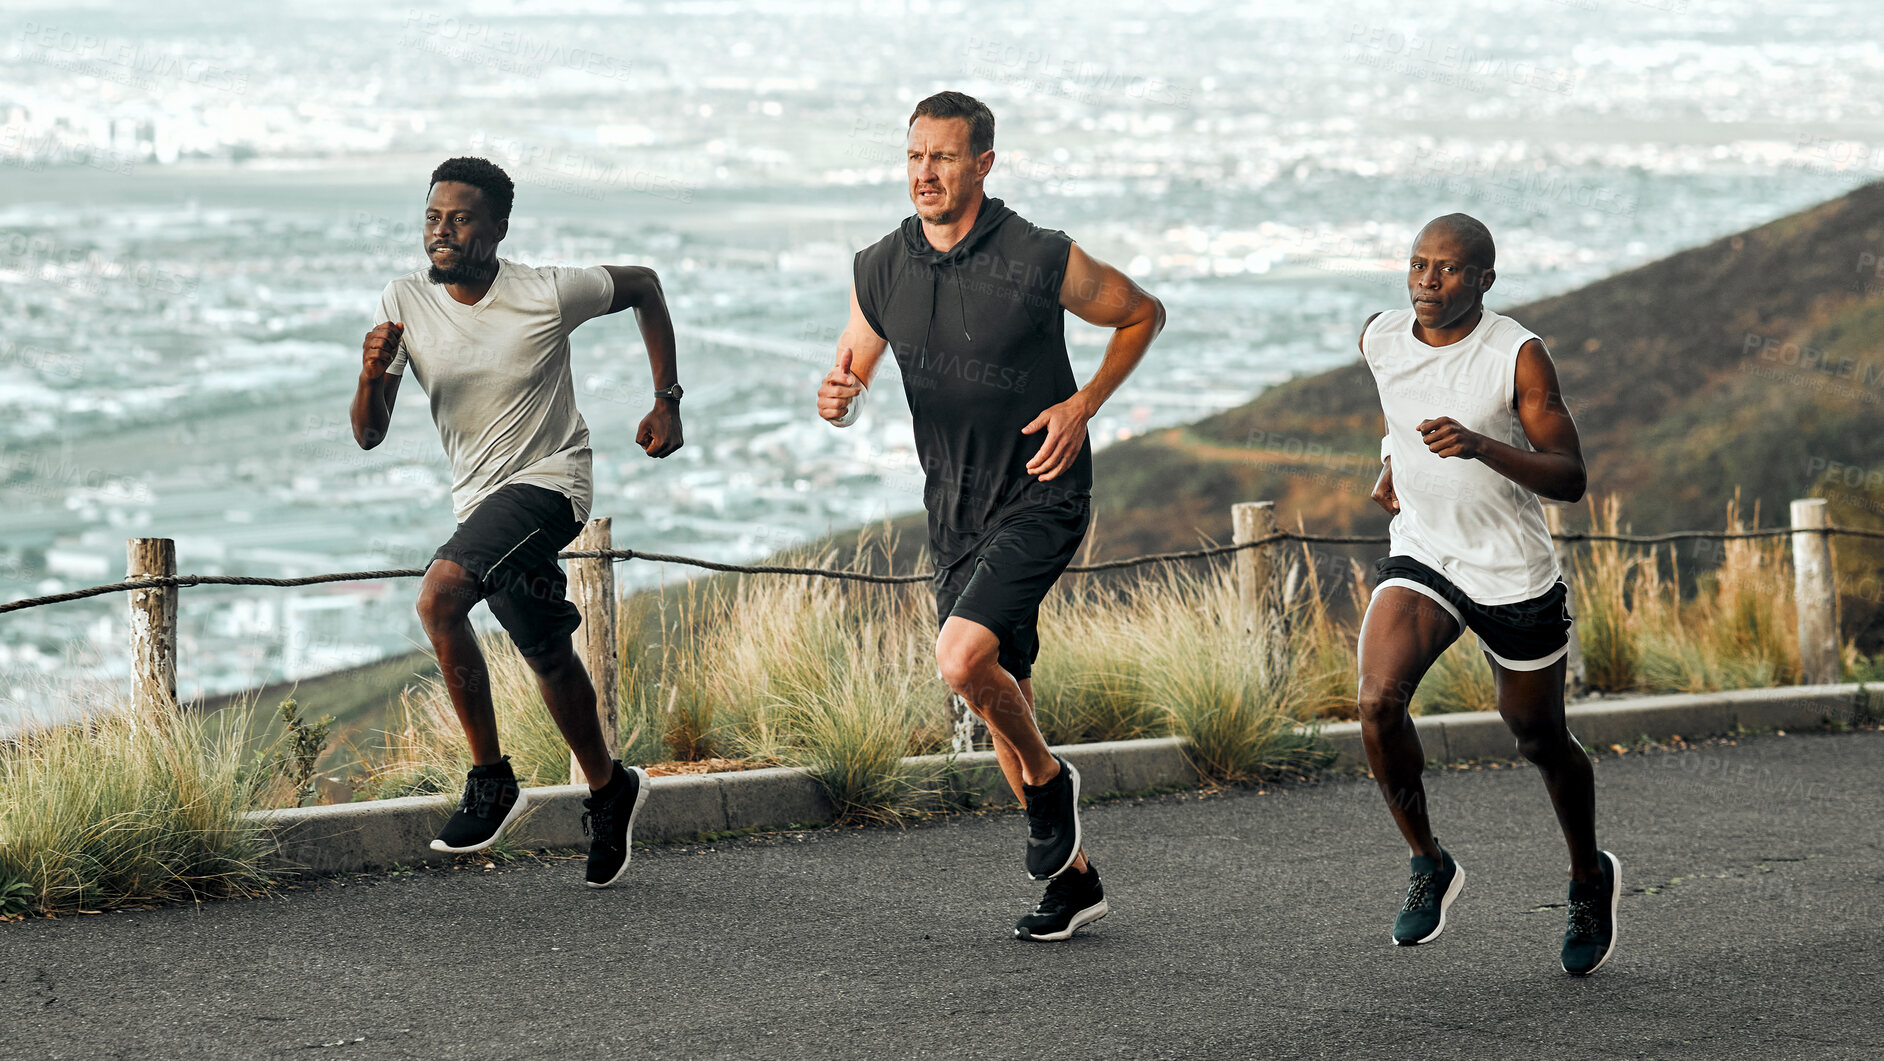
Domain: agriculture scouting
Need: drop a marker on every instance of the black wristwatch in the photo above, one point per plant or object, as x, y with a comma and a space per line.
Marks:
673, 392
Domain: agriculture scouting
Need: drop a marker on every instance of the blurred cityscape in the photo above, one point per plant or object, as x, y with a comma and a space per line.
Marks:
199, 206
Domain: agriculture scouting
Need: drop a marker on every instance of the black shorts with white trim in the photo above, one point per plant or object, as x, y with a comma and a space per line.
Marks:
1524, 635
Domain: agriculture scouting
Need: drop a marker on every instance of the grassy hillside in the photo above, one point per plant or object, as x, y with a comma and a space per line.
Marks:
358, 698
1751, 362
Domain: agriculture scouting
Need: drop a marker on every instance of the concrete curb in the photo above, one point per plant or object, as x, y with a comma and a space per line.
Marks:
380, 833
1482, 734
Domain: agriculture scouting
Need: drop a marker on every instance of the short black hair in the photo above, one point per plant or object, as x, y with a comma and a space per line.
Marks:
483, 174
1480, 251
966, 107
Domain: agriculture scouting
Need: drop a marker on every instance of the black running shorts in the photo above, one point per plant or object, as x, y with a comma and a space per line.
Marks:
1001, 581
509, 544
1524, 635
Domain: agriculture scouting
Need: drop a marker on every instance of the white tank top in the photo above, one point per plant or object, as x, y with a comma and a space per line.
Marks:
1459, 517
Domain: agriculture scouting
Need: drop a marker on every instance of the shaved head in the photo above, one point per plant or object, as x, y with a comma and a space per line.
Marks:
1474, 238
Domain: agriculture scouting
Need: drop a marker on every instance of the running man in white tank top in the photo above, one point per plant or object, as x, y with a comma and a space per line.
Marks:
1477, 431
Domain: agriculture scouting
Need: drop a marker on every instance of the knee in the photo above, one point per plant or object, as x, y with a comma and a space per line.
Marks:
554, 663
962, 667
1544, 744
444, 605
1382, 706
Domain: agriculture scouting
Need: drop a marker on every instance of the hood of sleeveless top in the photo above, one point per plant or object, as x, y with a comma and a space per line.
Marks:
994, 213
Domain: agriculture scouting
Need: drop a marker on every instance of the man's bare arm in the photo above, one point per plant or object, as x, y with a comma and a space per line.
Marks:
378, 389
639, 288
1553, 467
1383, 494
1098, 294
859, 350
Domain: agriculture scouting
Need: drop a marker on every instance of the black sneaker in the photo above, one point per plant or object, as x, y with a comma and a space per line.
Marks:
1430, 890
1072, 900
1590, 937
610, 819
491, 801
1053, 823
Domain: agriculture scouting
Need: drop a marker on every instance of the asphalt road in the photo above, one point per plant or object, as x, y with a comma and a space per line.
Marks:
1244, 925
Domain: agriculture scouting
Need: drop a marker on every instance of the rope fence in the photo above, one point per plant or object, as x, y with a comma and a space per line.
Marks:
618, 555
153, 584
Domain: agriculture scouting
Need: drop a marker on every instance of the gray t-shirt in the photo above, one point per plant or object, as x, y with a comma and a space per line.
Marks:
497, 374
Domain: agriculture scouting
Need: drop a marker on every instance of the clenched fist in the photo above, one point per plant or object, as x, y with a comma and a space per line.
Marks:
376, 353
1383, 489
839, 388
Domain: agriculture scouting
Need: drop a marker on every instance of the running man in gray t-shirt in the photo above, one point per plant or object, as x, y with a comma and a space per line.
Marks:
488, 341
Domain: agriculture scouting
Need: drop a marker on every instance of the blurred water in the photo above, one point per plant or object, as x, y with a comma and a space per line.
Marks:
198, 208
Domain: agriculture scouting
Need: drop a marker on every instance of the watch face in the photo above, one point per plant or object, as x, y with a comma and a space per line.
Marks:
674, 392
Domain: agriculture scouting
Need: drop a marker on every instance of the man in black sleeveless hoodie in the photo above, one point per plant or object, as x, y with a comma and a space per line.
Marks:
970, 296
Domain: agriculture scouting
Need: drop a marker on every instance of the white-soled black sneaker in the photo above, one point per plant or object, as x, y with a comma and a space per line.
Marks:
1053, 837
492, 800
1073, 900
610, 821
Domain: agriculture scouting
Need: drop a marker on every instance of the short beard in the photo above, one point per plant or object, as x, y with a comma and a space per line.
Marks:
947, 215
464, 271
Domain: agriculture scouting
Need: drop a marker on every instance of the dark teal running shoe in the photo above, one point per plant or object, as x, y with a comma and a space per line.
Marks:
1590, 937
1429, 892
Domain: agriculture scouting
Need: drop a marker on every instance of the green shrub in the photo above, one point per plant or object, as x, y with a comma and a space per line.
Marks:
1089, 682
427, 753
1226, 690
129, 807
1599, 580
1460, 680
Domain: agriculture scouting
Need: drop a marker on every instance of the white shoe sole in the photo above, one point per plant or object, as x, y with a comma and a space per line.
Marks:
516, 809
641, 796
1615, 896
1080, 920
1445, 903
1079, 838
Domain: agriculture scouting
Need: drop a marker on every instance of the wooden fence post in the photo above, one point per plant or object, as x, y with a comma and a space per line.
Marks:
592, 587
1256, 580
1573, 669
153, 623
1814, 597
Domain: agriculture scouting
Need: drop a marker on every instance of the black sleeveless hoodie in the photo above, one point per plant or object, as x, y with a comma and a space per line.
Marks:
980, 338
